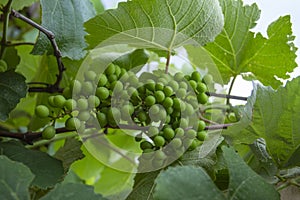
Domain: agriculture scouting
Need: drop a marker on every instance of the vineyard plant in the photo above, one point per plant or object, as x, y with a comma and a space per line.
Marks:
136, 103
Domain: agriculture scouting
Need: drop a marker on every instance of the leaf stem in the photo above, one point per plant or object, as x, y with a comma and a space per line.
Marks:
168, 62
230, 89
55, 87
6, 11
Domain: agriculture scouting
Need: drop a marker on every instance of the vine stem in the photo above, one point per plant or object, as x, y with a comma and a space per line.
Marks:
168, 62
55, 87
230, 89
6, 10
227, 96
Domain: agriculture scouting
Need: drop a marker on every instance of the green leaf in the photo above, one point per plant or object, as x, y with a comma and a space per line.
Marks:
143, 186
17, 4
11, 58
72, 191
13, 88
47, 170
244, 182
275, 118
160, 25
69, 153
186, 183
133, 60
15, 179
237, 50
65, 19
98, 6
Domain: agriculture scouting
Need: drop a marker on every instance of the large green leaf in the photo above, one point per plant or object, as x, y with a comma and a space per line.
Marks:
161, 25
13, 88
238, 50
47, 170
65, 19
275, 117
244, 183
72, 191
17, 4
186, 183
15, 179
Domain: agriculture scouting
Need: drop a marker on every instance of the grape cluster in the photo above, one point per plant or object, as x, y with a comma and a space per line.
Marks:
164, 107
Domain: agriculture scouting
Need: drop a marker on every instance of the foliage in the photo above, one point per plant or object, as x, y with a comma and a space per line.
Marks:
167, 138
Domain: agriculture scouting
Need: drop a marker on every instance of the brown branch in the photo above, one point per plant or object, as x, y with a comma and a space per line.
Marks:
227, 96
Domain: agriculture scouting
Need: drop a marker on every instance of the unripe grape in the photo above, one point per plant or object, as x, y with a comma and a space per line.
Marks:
82, 104
127, 111
84, 116
102, 80
67, 93
154, 110
51, 101
174, 85
48, 133
102, 93
102, 119
110, 69
179, 132
142, 116
42, 111
189, 110
146, 145
59, 101
87, 88
201, 125
117, 70
150, 85
159, 141
118, 88
168, 133
179, 76
201, 87
113, 115
76, 87
196, 76
150, 100
168, 91
191, 134
194, 145
70, 104
159, 155
181, 93
152, 131
176, 104
184, 123
202, 98
208, 79
159, 96
163, 81
112, 78
72, 123
201, 135
90, 75
93, 101
193, 84
176, 143
159, 86
168, 102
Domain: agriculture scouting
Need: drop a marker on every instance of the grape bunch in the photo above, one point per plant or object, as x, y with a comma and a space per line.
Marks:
163, 107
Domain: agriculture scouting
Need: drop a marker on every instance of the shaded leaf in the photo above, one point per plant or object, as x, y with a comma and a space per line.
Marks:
11, 58
65, 19
13, 88
17, 4
244, 182
186, 183
237, 50
47, 170
143, 186
72, 191
15, 179
160, 25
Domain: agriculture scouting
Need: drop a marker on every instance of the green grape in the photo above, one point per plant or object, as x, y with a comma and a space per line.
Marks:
48, 133
159, 141
201, 125
196, 76
84, 116
93, 101
59, 101
101, 117
156, 163
127, 111
112, 78
168, 91
176, 143
187, 77
67, 93
102, 93
181, 93
133, 81
117, 70
169, 110
118, 87
3, 66
162, 81
113, 115
176, 104
90, 75
208, 79
195, 143
150, 85
82, 104
184, 123
201, 87
168, 102
51, 101
202, 98
87, 88
179, 132
142, 116
76, 87
191, 134
70, 104
183, 85
179, 76
160, 155
146, 145
111, 69
159, 96
168, 133
193, 84
182, 106
174, 85
189, 110
152, 131
150, 100
102, 80
159, 86
162, 115
201, 135
42, 111
72, 123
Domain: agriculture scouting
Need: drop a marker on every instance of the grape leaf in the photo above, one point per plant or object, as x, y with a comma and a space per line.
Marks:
72, 191
13, 88
161, 25
99, 8
275, 118
143, 186
65, 19
69, 153
186, 183
244, 183
238, 50
15, 179
17, 4
11, 58
47, 170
